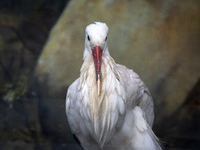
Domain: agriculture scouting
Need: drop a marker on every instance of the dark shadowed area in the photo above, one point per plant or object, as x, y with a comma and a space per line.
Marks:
41, 47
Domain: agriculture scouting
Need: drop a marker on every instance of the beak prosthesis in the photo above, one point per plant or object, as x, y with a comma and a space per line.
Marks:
97, 55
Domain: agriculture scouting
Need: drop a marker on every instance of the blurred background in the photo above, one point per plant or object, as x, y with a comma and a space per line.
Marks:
41, 47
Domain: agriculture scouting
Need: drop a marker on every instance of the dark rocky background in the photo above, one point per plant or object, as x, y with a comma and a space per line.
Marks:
24, 29
36, 56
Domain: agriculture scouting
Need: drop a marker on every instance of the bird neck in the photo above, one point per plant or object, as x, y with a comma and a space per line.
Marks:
109, 71
100, 105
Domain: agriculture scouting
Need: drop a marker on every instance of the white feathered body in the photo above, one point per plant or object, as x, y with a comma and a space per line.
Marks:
120, 118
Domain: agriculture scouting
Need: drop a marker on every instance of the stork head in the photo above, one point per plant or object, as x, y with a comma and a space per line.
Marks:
96, 44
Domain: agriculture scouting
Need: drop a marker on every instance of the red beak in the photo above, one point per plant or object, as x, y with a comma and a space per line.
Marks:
97, 55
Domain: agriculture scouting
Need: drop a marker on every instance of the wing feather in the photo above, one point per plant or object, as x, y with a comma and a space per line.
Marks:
137, 93
78, 117
144, 138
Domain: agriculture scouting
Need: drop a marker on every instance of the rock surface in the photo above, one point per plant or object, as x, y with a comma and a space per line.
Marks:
157, 39
24, 27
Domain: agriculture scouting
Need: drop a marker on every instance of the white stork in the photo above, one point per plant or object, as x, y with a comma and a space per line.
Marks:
109, 107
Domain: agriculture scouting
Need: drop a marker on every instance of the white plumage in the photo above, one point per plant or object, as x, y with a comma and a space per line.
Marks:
120, 115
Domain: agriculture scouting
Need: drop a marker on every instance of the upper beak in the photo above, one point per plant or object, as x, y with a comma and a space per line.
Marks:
97, 55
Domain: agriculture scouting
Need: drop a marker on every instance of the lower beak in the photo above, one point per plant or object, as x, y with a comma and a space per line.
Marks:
97, 55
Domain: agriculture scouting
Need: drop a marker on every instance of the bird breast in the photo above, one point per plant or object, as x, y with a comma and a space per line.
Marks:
106, 107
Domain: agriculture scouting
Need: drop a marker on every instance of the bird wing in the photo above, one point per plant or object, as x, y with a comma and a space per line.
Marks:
72, 106
137, 93
79, 116
140, 104
143, 138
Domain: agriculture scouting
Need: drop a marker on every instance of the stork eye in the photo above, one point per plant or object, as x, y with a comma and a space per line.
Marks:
88, 38
106, 38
